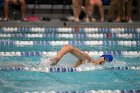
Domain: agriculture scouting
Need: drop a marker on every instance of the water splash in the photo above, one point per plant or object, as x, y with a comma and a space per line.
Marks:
115, 63
67, 60
89, 66
45, 61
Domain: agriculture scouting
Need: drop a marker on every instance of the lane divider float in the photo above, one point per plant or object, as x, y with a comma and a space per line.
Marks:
64, 69
91, 53
60, 43
71, 29
70, 36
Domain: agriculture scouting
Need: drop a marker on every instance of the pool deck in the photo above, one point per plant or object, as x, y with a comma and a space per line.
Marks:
58, 23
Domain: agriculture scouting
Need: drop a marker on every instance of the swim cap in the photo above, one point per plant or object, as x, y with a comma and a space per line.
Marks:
108, 57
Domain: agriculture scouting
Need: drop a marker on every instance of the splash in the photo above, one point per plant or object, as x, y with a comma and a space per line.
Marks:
45, 61
115, 63
64, 62
89, 66
68, 60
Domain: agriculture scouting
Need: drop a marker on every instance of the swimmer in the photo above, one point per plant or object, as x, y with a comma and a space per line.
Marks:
22, 4
82, 56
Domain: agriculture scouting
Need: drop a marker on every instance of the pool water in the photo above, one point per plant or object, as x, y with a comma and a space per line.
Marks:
30, 46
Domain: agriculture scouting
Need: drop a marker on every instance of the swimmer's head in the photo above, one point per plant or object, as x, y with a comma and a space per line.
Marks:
107, 57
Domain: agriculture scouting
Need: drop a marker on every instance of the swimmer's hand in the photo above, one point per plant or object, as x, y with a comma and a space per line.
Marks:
54, 61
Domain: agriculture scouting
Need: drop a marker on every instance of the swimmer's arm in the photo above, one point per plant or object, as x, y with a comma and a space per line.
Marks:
96, 62
99, 61
78, 63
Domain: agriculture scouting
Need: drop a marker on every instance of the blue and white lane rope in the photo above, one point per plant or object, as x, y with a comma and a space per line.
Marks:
90, 91
60, 43
91, 53
64, 69
70, 36
69, 29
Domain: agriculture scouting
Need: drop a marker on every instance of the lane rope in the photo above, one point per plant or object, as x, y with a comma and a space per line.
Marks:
70, 29
60, 43
91, 53
90, 91
72, 35
64, 69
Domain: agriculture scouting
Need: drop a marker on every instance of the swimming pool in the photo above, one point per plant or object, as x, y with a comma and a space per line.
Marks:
29, 46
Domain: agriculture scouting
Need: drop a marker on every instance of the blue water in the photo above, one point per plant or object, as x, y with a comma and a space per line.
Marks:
90, 80
97, 79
